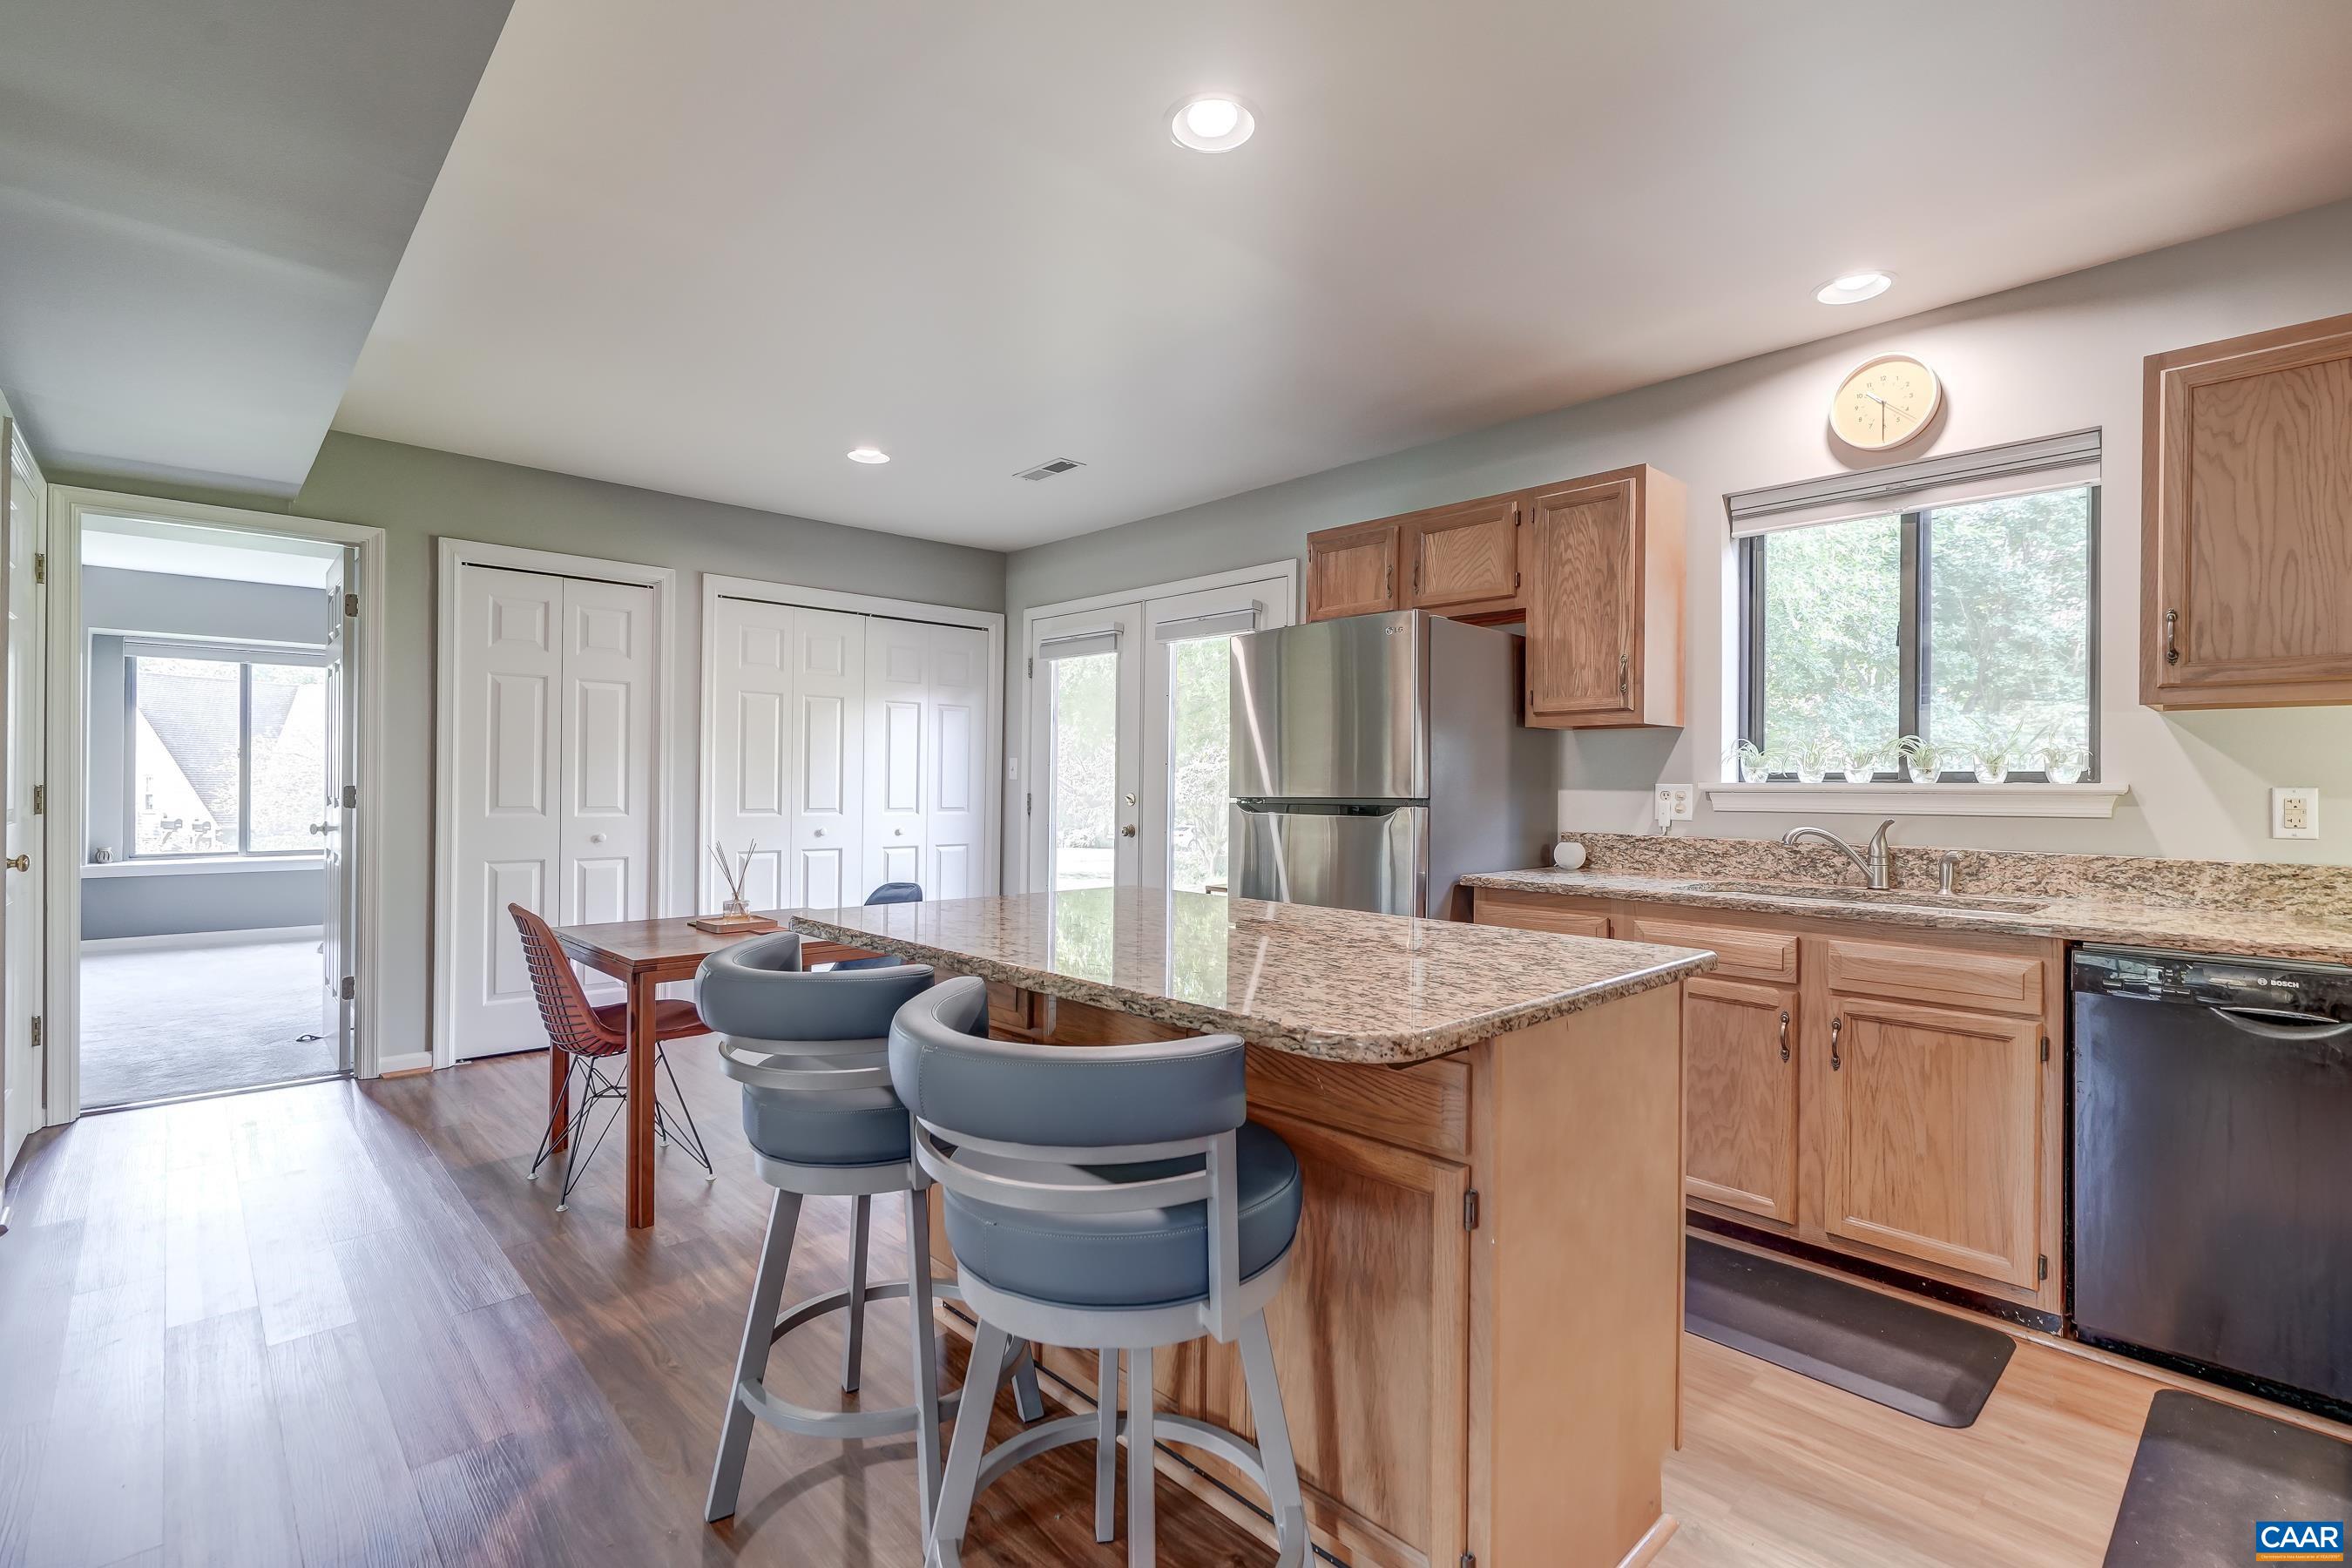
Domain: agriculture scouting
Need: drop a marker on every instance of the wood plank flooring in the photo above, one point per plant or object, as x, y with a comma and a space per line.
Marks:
334, 1324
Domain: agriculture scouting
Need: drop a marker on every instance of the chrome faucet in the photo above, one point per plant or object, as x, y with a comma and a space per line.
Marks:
1874, 867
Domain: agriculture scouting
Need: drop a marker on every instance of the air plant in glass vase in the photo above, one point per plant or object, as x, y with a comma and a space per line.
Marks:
1813, 757
1860, 759
2065, 762
1923, 760
2002, 748
1754, 762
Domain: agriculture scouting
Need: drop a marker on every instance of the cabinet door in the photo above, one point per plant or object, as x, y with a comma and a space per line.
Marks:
2248, 593
1930, 1120
1367, 1333
1352, 570
1583, 583
1740, 1096
1464, 558
1536, 911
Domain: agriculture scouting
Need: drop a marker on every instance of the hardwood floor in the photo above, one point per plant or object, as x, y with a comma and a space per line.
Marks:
334, 1324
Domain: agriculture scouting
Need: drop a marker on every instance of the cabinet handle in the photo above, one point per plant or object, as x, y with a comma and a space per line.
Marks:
1836, 1027
1784, 1034
1625, 676
2172, 637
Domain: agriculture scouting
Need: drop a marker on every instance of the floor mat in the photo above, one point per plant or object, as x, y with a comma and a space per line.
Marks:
158, 1022
1893, 1352
2207, 1473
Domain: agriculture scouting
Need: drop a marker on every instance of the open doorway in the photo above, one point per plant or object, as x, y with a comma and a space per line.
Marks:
208, 934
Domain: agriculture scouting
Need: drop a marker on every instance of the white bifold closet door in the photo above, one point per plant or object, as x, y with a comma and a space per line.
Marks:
851, 749
554, 777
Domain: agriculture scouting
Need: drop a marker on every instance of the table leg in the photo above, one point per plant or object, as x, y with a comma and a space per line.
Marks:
643, 991
559, 1101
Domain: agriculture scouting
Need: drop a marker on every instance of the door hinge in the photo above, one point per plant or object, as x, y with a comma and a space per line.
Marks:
37, 1031
1470, 1209
40, 567
350, 607
1033, 669
40, 800
2041, 1266
350, 989
350, 797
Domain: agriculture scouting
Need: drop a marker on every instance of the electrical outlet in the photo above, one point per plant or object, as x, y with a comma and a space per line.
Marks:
1673, 804
2294, 812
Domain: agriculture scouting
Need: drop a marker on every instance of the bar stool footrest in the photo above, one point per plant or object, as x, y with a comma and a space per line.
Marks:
845, 1424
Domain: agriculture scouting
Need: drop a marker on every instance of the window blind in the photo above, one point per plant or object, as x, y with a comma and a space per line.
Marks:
1955, 479
1080, 644
1219, 624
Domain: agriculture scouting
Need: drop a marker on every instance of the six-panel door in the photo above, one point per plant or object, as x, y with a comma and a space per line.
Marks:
1740, 1096
1583, 582
1930, 1123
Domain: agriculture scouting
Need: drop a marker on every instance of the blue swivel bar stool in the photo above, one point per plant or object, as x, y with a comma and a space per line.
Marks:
888, 893
1109, 1198
810, 1050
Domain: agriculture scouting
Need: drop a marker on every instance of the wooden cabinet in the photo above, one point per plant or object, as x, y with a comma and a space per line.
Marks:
2246, 549
1592, 567
1929, 1122
1740, 1096
1916, 1120
1352, 570
1604, 594
1464, 560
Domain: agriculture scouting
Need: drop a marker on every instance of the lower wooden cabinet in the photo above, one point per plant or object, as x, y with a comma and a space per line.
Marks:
1888, 1092
1740, 1096
1930, 1124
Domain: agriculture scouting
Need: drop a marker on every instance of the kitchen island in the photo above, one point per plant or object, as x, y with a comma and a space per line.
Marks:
1479, 1341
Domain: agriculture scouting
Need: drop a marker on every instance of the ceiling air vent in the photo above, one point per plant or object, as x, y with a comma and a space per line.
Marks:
1047, 471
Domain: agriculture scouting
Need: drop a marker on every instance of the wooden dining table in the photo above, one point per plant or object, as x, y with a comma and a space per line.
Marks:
645, 955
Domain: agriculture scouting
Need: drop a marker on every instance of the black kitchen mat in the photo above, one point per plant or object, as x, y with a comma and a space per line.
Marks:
2207, 1473
1895, 1352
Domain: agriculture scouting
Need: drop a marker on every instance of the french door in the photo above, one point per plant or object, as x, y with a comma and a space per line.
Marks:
21, 1064
1130, 728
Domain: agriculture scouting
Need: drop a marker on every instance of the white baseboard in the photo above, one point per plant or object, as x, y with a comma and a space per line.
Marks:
406, 1061
204, 939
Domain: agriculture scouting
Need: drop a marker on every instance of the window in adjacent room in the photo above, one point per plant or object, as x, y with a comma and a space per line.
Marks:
228, 754
1968, 625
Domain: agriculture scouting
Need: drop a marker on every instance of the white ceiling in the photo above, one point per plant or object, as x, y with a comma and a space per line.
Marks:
709, 248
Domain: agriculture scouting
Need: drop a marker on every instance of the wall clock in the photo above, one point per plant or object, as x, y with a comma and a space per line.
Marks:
1884, 402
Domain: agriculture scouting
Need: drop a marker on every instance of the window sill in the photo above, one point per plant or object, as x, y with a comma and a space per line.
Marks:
203, 865
1919, 800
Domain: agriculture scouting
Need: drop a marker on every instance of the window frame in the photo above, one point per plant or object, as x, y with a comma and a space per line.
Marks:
1915, 657
245, 656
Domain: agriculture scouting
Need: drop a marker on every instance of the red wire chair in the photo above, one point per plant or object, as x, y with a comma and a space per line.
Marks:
590, 1034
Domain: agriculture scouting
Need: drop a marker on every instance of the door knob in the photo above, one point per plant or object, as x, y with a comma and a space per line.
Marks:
320, 827
19, 862
595, 838
898, 833
820, 833
1128, 832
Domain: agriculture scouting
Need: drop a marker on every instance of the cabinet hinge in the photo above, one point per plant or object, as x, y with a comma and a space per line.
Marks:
40, 800
350, 607
1470, 1209
40, 567
2041, 1266
350, 989
2045, 1047
1469, 1559
350, 797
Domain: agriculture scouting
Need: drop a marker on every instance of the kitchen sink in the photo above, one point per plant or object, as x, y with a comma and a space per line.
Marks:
1917, 898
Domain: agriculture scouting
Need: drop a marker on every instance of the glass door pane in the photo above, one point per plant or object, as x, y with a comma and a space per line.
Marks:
1187, 746
1082, 797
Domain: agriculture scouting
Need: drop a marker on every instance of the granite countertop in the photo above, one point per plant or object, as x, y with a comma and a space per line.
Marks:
1333, 984
2308, 934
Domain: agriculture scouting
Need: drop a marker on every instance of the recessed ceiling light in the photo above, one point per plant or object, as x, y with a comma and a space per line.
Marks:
1211, 122
868, 455
1853, 287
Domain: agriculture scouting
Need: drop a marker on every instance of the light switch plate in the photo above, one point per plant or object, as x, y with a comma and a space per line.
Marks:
2294, 812
1673, 804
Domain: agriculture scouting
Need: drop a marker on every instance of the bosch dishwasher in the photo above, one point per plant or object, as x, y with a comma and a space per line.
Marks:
2211, 1188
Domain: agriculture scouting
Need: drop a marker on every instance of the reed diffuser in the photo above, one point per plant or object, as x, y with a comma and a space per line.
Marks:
734, 915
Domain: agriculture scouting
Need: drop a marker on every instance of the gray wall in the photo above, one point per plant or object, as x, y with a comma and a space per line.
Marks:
416, 495
162, 604
2055, 356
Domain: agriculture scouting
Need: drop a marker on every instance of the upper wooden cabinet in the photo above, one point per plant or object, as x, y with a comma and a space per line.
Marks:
1464, 560
1352, 570
1604, 601
1593, 566
2246, 551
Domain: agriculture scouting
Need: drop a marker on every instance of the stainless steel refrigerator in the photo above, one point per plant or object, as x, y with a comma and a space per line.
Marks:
1376, 759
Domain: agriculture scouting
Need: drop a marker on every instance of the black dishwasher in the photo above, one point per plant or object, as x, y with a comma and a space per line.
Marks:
2212, 1165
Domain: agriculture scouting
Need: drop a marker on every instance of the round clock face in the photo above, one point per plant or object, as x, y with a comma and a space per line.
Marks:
1884, 402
